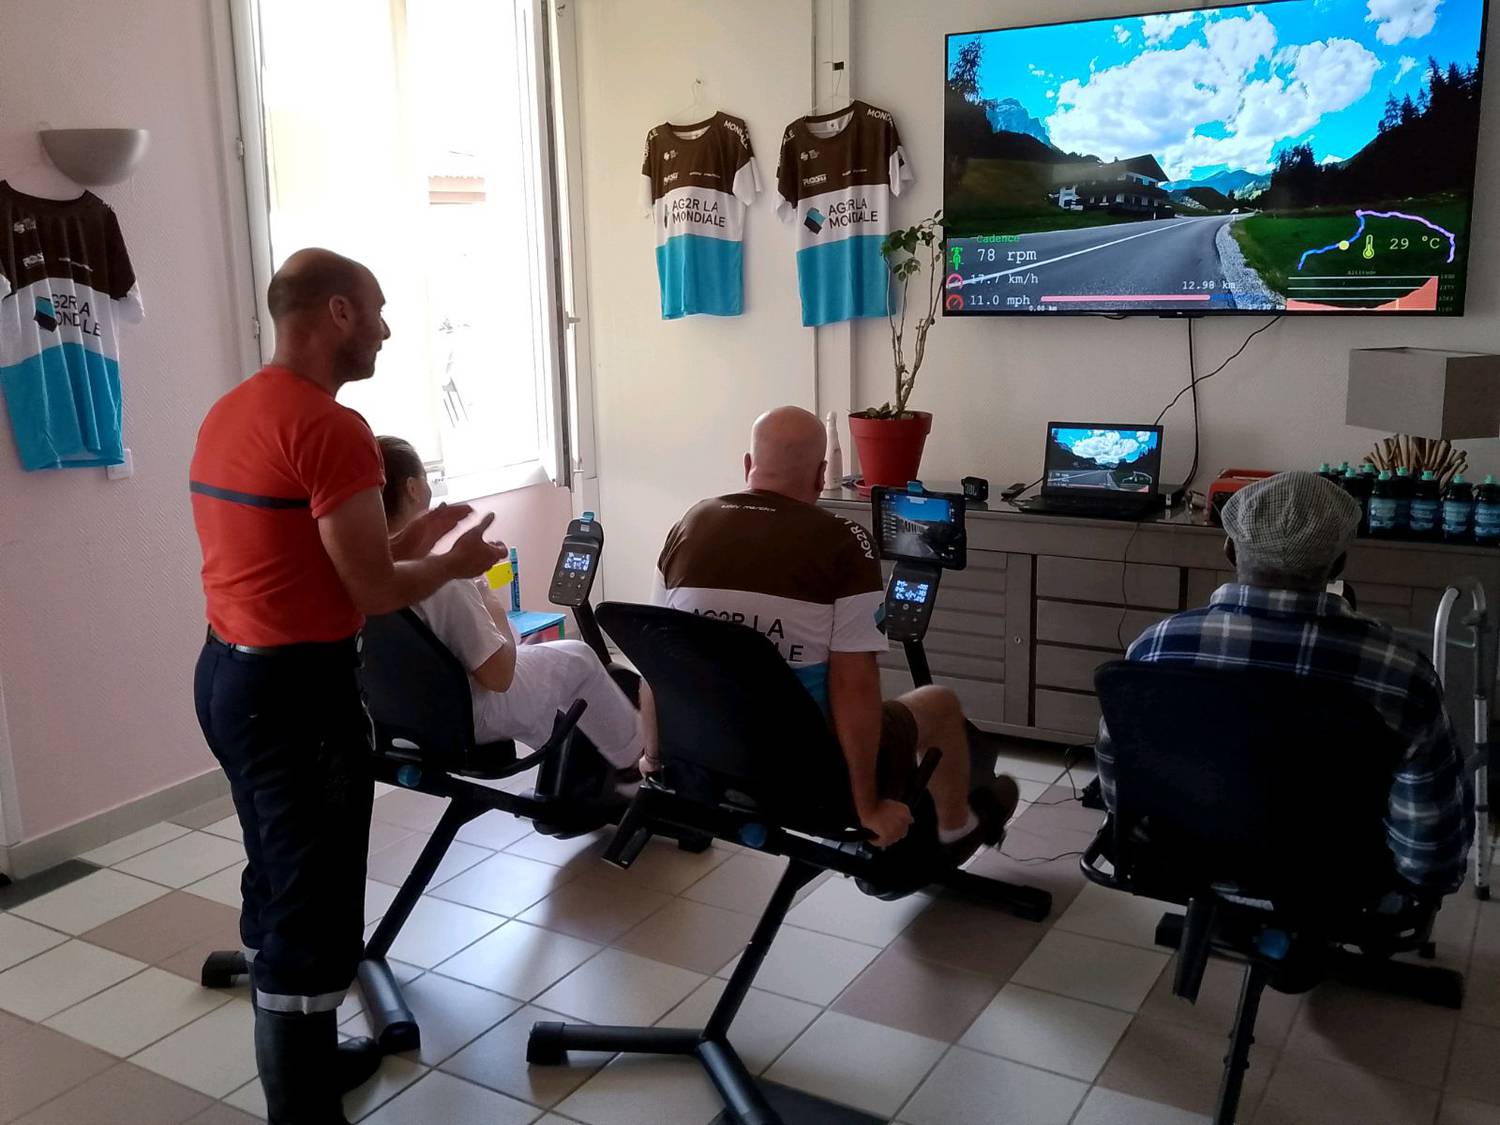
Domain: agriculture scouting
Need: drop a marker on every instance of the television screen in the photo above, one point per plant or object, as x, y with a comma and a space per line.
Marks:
1298, 156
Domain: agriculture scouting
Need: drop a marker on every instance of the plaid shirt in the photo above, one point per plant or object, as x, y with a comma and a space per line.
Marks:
1430, 821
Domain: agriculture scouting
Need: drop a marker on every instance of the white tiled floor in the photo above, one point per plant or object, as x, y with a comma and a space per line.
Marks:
213, 1055
810, 966
221, 886
185, 860
1068, 1022
137, 842
137, 1012
91, 901
855, 1062
60, 978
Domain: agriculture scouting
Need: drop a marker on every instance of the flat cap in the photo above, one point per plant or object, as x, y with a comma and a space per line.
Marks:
1292, 523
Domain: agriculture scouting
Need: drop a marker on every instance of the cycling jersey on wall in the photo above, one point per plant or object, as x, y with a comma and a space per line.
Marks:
698, 179
835, 179
64, 278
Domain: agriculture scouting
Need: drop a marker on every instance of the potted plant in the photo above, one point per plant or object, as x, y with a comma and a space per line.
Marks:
890, 437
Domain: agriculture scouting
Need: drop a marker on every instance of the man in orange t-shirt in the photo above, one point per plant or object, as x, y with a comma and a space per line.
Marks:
286, 493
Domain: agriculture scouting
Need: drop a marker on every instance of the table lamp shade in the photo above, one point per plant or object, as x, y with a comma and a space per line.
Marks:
1424, 391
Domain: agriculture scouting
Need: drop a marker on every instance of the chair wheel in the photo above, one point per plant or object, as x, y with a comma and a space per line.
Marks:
1428, 951
695, 843
544, 1047
1482, 894
220, 968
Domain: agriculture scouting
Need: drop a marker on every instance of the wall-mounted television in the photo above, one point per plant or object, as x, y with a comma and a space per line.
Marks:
1297, 156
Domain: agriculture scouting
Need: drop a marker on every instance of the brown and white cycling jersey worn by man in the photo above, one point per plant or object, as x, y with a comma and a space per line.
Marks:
770, 559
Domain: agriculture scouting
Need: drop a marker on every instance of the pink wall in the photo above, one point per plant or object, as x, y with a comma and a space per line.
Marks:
100, 609
532, 520
101, 613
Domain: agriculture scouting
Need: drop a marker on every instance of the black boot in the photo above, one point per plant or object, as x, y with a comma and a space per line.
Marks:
356, 1062
295, 1054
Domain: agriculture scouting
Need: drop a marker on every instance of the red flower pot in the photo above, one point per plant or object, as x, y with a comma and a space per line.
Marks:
890, 449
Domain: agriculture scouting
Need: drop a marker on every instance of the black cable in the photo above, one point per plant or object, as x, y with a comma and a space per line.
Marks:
1038, 858
1124, 596
1024, 491
1192, 384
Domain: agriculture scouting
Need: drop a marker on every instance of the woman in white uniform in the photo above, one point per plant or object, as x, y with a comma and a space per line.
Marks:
518, 689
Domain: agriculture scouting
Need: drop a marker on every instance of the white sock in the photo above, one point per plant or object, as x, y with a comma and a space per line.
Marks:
951, 835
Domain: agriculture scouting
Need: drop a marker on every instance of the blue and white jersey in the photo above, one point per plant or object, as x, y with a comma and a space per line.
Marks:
65, 283
835, 179
698, 180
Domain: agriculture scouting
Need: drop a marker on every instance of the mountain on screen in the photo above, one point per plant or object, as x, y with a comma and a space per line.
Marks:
1227, 182
1006, 115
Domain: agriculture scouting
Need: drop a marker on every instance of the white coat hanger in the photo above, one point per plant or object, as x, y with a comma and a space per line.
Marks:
698, 110
837, 100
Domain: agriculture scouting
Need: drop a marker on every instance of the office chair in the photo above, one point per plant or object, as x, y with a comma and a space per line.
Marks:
1257, 800
749, 757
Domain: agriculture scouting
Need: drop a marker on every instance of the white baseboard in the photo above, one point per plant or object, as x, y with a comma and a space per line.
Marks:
30, 856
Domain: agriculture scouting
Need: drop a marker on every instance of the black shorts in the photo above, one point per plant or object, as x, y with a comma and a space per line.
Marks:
897, 760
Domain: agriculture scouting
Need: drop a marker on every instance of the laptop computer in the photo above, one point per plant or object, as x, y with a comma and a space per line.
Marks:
1100, 471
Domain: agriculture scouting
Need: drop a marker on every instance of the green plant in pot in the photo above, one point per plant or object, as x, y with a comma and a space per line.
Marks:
890, 437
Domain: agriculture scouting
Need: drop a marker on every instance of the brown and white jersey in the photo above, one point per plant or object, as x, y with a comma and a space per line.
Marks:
698, 180
803, 577
65, 284
835, 179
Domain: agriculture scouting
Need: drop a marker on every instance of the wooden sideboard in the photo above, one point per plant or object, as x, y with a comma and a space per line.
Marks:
1046, 599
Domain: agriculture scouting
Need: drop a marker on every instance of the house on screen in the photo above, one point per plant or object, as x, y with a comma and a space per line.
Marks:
1122, 187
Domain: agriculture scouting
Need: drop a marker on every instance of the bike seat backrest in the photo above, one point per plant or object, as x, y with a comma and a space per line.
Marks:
734, 722
1274, 783
417, 692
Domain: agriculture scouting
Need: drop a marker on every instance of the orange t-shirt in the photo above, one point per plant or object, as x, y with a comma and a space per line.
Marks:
273, 456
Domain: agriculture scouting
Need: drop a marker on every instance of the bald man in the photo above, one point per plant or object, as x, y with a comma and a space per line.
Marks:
810, 581
286, 494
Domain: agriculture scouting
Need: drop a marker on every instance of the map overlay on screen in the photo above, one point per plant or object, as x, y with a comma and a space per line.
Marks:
1298, 156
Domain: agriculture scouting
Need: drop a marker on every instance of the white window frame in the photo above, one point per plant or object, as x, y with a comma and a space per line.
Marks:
564, 396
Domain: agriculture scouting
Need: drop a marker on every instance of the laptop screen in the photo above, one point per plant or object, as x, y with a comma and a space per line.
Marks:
1090, 458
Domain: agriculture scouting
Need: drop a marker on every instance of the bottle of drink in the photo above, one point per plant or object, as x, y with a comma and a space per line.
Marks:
1426, 508
1458, 511
1327, 472
1358, 488
1383, 506
833, 454
1487, 512
1403, 484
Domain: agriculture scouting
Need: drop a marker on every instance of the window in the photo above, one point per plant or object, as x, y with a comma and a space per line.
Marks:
413, 135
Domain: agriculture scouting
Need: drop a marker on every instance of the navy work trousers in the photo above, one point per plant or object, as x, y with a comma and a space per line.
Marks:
293, 737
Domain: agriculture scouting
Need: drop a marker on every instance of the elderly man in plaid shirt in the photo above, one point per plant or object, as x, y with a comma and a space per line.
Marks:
1287, 540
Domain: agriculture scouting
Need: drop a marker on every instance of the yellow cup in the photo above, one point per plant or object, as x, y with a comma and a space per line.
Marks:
499, 575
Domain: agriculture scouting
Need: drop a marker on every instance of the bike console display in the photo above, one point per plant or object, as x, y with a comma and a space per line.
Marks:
923, 534
908, 603
577, 562
916, 526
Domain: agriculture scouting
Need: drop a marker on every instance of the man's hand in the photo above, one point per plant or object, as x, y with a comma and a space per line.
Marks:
887, 820
417, 539
471, 556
